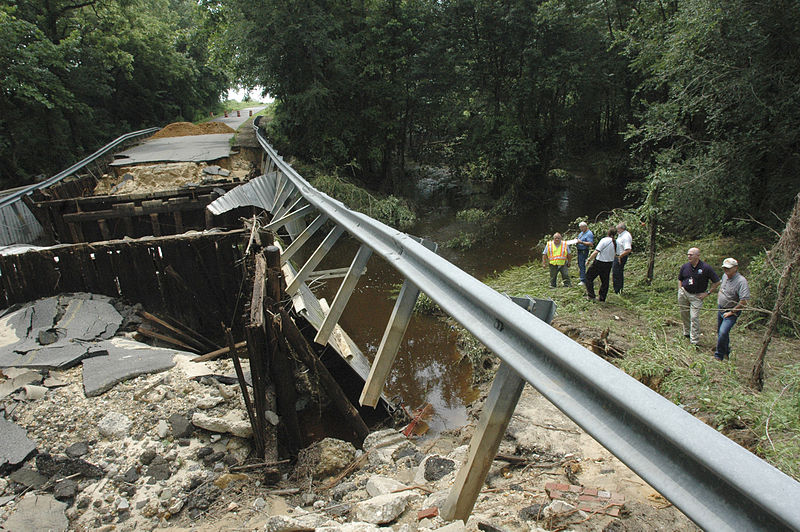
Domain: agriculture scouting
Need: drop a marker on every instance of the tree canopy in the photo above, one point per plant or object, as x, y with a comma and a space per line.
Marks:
700, 95
77, 73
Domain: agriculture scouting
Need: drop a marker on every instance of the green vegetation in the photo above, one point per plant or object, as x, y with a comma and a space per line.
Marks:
390, 210
78, 74
479, 225
645, 324
694, 104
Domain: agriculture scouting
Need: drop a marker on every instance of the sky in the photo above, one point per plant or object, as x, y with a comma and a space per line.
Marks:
255, 94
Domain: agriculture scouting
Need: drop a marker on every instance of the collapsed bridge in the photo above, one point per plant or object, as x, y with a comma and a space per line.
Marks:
715, 482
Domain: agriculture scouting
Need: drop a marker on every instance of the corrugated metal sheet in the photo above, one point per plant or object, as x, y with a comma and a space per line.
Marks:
17, 225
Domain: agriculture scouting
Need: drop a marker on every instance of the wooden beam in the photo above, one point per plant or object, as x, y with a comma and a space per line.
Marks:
218, 353
315, 259
302, 238
257, 299
497, 411
337, 396
165, 338
390, 344
357, 269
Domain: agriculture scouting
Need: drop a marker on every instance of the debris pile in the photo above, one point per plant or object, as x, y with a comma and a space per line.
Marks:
173, 449
185, 129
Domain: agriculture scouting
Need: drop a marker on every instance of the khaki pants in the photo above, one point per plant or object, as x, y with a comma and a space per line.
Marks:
690, 305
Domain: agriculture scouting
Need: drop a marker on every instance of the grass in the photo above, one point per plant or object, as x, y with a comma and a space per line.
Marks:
645, 323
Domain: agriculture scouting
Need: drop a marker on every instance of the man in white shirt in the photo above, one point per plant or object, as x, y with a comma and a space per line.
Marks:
624, 248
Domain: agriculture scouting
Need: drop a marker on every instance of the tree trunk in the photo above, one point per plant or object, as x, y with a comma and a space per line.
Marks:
757, 375
789, 247
651, 253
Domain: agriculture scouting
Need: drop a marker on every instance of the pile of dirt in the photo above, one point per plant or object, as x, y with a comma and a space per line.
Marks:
185, 129
151, 178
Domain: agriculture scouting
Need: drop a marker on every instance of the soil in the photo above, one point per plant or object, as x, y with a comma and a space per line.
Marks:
185, 129
150, 178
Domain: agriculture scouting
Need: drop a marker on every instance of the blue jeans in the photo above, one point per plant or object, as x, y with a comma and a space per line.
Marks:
583, 254
618, 273
724, 326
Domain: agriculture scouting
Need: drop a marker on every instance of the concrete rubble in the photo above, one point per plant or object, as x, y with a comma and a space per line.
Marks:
144, 455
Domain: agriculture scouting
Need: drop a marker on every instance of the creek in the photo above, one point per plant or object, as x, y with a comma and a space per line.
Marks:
429, 368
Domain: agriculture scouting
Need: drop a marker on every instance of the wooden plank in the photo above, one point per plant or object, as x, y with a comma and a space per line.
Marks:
316, 257
357, 269
497, 411
104, 229
335, 392
390, 344
211, 355
178, 217
155, 224
165, 338
257, 297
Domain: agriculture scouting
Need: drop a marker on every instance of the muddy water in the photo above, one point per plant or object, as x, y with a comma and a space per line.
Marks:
428, 367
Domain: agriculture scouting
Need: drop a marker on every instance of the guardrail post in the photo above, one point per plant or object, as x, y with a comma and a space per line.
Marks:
497, 411
357, 269
315, 259
390, 344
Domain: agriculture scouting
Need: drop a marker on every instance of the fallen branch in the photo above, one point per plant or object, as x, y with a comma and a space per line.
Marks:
247, 467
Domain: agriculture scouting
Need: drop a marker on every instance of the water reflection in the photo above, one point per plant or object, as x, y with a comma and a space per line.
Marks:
428, 367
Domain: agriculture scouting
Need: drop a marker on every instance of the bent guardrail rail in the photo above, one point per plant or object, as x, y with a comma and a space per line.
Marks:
17, 224
714, 481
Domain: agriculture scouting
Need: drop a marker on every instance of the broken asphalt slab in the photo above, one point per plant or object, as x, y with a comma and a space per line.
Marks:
15, 447
124, 359
195, 148
38, 512
30, 338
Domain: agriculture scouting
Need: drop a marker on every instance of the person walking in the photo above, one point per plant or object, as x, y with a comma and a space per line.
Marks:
583, 245
693, 280
556, 255
624, 248
734, 292
603, 256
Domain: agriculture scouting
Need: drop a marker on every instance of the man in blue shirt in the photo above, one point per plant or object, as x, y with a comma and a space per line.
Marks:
693, 288
584, 244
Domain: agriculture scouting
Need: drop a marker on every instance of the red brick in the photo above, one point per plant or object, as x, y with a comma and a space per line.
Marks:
575, 489
427, 513
550, 486
588, 498
590, 491
562, 487
586, 507
555, 494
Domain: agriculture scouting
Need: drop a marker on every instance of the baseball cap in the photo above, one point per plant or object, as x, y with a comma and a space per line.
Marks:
730, 262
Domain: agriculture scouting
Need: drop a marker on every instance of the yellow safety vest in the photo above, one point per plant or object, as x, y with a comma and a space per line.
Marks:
557, 256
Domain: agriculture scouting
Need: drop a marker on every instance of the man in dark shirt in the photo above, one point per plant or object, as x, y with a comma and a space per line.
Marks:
693, 288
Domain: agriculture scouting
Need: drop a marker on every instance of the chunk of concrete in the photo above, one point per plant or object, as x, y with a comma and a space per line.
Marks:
38, 512
234, 422
15, 447
378, 485
383, 508
10, 386
124, 359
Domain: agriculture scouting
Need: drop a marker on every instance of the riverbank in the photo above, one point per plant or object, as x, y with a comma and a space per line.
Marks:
643, 326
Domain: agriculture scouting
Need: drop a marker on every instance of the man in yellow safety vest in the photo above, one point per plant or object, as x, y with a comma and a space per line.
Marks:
556, 255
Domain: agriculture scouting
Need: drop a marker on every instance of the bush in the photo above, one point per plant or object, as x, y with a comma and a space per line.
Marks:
390, 210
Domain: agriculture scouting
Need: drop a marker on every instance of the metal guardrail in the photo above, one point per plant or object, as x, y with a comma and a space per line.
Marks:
17, 223
714, 481
11, 198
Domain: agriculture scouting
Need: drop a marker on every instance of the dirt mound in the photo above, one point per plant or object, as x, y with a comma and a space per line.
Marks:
185, 129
